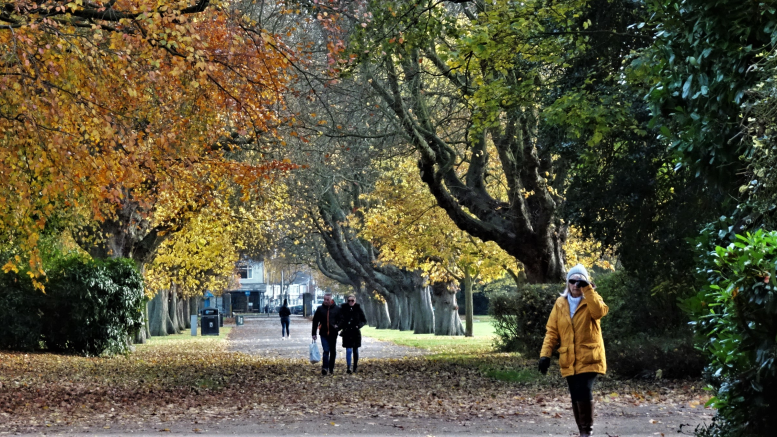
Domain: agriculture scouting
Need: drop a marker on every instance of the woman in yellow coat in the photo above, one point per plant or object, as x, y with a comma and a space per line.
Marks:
574, 327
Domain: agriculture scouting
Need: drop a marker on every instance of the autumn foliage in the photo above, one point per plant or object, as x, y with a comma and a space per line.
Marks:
106, 104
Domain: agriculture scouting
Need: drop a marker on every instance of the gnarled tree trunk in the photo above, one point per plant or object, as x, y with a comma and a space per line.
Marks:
394, 310
158, 314
182, 319
446, 311
423, 312
382, 315
172, 311
406, 316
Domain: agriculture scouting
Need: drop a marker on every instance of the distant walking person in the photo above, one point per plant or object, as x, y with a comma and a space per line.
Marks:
326, 321
574, 327
285, 314
351, 320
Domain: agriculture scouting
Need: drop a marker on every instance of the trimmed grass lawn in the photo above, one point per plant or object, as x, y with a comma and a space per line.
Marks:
474, 352
481, 342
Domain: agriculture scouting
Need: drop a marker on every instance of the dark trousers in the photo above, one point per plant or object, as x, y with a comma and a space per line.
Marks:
581, 386
329, 344
285, 326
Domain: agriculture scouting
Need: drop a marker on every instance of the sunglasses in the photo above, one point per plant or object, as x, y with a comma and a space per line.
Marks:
351, 300
581, 282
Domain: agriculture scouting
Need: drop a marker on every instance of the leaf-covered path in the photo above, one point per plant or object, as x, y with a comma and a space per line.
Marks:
187, 385
262, 337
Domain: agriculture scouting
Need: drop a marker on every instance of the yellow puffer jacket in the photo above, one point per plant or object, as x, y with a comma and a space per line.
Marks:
581, 348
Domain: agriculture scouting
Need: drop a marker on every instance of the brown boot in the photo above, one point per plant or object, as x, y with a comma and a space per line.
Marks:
586, 411
576, 411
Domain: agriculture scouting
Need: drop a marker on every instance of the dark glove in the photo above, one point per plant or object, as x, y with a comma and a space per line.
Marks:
544, 364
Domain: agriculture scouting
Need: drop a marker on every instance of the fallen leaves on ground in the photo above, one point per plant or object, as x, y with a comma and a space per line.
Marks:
171, 383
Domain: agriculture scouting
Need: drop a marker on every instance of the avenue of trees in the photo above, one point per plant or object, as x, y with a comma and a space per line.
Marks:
407, 150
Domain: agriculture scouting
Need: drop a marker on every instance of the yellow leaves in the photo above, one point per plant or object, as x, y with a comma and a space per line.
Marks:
413, 232
10, 266
586, 251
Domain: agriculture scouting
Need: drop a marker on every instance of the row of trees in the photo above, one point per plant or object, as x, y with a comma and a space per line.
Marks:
139, 129
433, 142
637, 122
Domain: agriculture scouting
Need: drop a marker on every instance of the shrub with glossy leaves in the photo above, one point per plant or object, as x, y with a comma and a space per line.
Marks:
735, 318
91, 307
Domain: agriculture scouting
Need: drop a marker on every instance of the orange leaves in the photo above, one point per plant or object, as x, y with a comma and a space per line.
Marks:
129, 106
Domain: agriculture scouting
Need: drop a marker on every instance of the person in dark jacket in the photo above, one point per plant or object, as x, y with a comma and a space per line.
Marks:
285, 314
326, 319
352, 319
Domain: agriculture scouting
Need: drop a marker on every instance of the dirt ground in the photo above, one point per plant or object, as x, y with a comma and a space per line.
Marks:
257, 386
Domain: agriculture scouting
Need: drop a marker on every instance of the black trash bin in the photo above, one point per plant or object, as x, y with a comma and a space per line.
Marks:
221, 319
209, 323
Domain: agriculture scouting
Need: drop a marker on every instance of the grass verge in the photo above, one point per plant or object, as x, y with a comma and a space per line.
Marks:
481, 342
472, 352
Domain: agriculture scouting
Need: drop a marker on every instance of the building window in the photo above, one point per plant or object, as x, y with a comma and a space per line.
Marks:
245, 272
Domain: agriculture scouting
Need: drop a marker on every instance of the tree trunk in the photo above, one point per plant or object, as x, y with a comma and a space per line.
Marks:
382, 315
182, 319
394, 310
140, 336
194, 304
147, 326
143, 333
468, 302
446, 311
406, 314
423, 312
172, 311
369, 311
158, 314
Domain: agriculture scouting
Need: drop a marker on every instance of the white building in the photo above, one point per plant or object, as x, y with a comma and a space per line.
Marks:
250, 296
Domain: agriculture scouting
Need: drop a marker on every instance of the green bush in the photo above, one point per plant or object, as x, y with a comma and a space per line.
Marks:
643, 355
520, 317
735, 319
645, 330
643, 333
91, 307
20, 314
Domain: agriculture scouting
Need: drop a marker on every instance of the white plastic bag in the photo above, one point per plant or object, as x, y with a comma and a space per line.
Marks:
315, 355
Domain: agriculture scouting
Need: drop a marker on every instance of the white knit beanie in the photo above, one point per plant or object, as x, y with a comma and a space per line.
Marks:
578, 270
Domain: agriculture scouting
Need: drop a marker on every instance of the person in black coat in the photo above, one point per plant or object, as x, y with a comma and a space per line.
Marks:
285, 314
351, 321
326, 319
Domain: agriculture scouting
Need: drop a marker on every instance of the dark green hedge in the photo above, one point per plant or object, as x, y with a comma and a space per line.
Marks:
642, 333
520, 317
20, 313
91, 307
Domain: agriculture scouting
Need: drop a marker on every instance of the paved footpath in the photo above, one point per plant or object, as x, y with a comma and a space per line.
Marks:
262, 336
